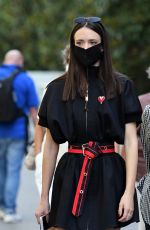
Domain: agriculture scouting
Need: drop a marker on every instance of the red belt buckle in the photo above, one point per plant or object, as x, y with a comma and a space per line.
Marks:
83, 149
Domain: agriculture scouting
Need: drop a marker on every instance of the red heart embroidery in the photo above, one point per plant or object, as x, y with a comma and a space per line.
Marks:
101, 99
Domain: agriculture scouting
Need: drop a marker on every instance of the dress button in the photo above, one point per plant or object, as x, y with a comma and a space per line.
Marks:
85, 174
81, 191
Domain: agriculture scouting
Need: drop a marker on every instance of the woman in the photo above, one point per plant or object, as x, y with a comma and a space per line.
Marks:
144, 184
91, 107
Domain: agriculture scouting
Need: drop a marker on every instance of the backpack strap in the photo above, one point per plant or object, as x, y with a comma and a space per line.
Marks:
15, 73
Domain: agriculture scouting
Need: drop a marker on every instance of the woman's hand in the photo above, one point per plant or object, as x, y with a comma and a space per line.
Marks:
126, 207
42, 210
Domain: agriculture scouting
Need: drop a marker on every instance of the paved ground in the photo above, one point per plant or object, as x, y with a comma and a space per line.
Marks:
27, 202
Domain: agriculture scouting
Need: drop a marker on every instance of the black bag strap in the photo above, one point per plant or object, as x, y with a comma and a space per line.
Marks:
15, 73
12, 75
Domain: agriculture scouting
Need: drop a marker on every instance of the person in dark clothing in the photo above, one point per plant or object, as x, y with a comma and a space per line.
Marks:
90, 106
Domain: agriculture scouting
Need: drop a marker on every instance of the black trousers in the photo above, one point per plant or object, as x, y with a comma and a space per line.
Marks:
147, 226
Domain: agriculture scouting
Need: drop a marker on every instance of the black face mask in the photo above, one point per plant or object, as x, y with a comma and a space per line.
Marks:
90, 56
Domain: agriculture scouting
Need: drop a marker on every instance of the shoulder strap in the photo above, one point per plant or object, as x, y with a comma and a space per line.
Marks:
15, 73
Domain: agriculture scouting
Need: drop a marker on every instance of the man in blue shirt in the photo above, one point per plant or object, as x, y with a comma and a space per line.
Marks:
13, 135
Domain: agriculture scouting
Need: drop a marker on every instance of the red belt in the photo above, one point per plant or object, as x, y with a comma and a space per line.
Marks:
89, 150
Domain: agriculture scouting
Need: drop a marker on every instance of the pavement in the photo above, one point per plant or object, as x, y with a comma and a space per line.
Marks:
27, 202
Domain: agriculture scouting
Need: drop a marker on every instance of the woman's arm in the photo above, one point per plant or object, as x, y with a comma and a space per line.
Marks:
131, 148
126, 206
49, 162
38, 138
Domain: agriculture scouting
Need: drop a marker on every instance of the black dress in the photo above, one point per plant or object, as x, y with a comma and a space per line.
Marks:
106, 125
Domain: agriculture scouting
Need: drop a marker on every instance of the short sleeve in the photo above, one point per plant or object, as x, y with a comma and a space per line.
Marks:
32, 97
26, 92
43, 110
132, 106
55, 114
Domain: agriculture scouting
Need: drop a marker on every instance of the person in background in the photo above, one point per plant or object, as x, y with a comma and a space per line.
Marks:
13, 135
144, 183
91, 106
66, 57
38, 142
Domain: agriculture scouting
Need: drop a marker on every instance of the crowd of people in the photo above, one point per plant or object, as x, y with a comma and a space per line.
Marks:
93, 108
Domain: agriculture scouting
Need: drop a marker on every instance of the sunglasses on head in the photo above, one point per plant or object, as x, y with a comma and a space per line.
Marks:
81, 20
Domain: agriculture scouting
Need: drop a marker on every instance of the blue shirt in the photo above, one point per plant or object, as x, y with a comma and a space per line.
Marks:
26, 98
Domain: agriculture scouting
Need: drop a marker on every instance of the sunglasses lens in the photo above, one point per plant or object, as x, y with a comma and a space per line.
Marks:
94, 19
81, 20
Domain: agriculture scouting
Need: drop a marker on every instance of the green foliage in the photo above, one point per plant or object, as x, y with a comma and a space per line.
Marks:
130, 31
40, 29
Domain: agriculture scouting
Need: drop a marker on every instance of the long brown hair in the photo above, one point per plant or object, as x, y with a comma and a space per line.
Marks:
76, 82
